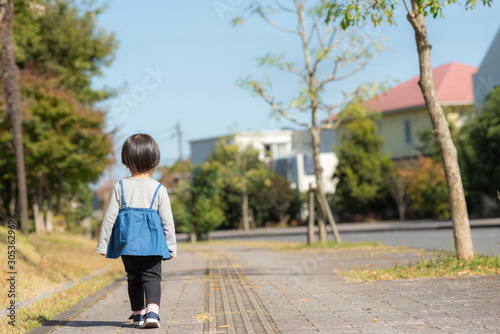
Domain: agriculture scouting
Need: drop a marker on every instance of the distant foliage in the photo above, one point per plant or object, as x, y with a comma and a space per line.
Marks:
64, 42
66, 145
427, 188
361, 169
59, 48
480, 150
212, 198
270, 195
197, 204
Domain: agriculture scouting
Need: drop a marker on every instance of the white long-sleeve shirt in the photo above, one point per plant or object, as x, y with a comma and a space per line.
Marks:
138, 193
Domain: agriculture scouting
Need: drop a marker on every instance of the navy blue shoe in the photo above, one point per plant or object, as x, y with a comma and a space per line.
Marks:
151, 320
138, 319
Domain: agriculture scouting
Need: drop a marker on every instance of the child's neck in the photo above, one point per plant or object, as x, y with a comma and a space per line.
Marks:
143, 175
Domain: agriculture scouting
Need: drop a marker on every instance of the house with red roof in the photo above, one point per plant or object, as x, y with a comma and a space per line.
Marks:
403, 109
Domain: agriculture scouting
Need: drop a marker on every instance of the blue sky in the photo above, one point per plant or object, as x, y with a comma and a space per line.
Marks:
196, 57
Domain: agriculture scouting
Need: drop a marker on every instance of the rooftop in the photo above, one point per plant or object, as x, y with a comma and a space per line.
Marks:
453, 83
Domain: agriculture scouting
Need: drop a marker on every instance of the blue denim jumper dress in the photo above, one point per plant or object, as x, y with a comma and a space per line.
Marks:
137, 231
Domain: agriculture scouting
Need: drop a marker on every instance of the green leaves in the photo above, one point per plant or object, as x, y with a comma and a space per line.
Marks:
361, 168
65, 42
480, 151
354, 12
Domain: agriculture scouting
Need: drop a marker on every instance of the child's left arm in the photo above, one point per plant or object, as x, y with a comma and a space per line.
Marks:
167, 221
109, 221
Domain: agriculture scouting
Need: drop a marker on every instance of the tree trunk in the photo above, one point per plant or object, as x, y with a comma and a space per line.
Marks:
244, 207
39, 196
310, 225
37, 217
323, 203
10, 79
402, 210
323, 237
48, 220
12, 202
59, 194
441, 131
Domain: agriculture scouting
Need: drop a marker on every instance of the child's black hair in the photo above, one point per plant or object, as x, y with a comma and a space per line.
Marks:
140, 153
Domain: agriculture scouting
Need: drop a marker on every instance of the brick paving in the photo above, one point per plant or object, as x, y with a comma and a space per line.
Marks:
230, 288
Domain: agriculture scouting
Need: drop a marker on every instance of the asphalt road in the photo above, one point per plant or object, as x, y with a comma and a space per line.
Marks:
486, 239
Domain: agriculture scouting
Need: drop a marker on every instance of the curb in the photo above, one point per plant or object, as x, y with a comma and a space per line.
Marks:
63, 317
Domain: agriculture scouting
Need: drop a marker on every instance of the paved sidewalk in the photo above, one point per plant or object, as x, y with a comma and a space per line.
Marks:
230, 288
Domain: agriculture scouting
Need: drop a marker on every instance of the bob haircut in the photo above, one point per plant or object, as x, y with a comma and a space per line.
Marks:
140, 153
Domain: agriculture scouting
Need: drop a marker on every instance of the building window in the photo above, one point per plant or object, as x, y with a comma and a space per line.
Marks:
407, 132
267, 151
282, 151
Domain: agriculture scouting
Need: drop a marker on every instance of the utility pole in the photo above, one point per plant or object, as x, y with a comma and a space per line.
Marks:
179, 139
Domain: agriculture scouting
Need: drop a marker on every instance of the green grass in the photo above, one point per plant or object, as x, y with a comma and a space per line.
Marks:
45, 263
36, 314
442, 264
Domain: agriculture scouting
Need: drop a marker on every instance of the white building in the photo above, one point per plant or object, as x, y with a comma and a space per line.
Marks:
488, 75
287, 152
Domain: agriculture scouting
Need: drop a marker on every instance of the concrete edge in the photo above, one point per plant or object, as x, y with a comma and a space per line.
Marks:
63, 317
240, 235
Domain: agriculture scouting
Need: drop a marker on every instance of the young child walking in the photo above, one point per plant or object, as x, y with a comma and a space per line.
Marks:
138, 226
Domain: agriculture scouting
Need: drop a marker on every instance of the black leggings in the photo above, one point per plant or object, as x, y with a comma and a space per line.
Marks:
143, 277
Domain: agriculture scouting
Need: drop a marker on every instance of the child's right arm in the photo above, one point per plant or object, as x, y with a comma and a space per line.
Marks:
109, 220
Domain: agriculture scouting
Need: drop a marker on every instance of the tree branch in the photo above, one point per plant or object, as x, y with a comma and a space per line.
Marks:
270, 100
273, 24
283, 8
408, 9
302, 33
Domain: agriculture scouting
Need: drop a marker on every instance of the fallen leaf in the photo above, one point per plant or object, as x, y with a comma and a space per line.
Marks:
102, 298
172, 309
216, 288
418, 327
85, 329
124, 301
225, 326
374, 320
302, 299
268, 302
84, 316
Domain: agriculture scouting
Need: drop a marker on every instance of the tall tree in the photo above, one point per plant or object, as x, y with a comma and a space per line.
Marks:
197, 204
58, 48
481, 149
361, 168
351, 13
237, 164
325, 50
10, 80
66, 42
